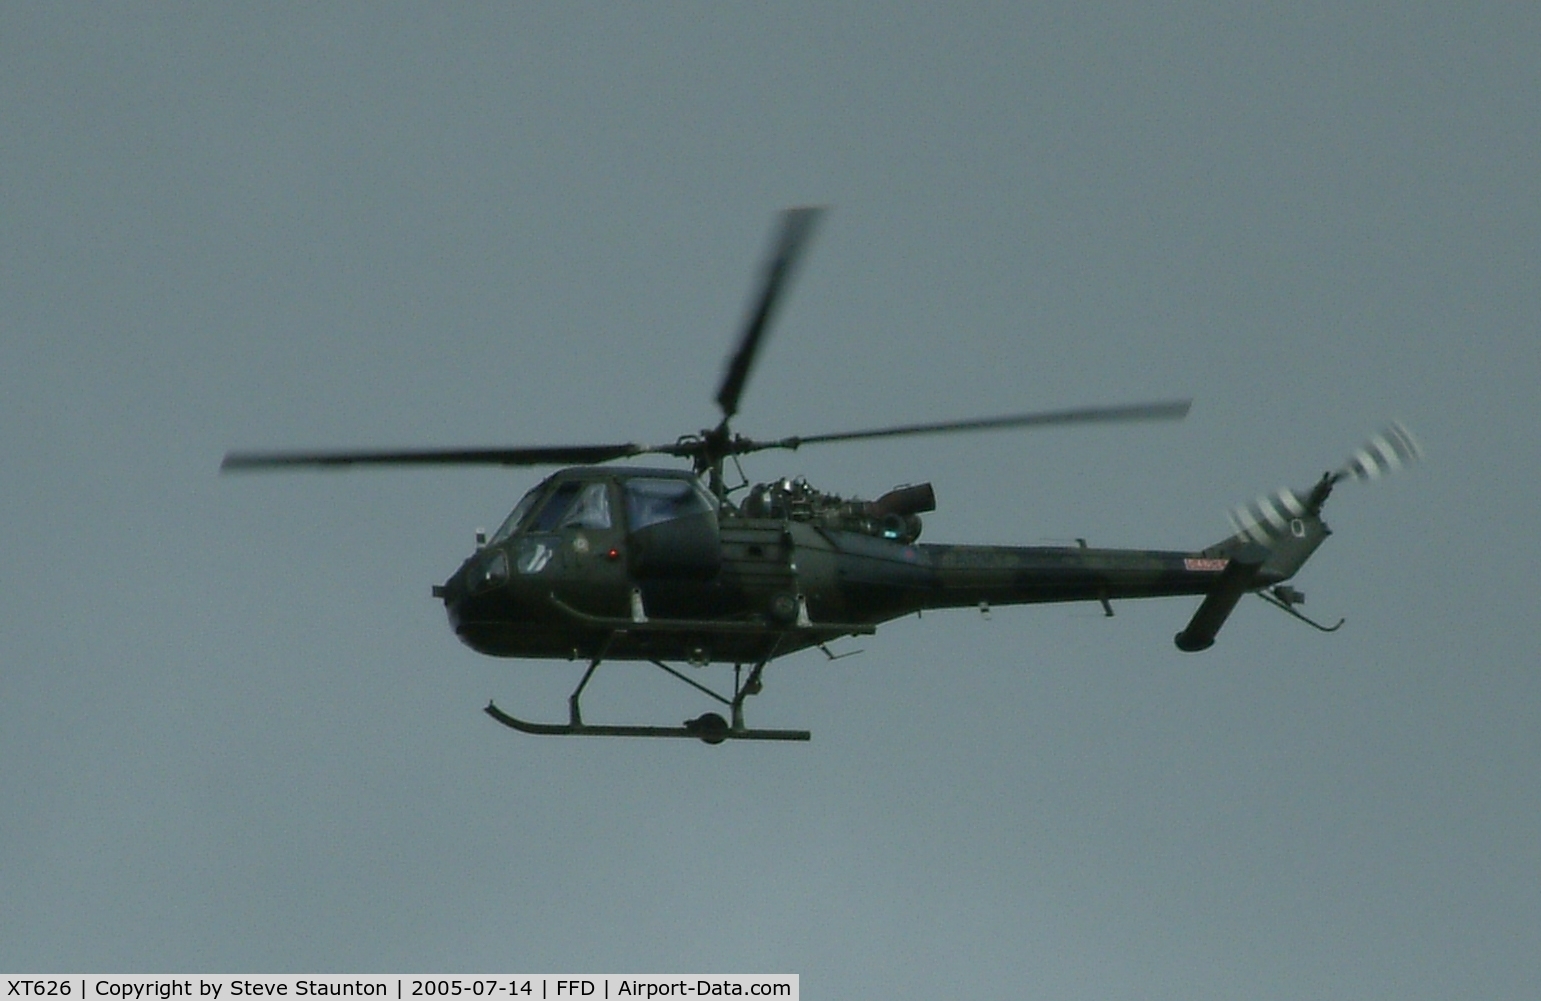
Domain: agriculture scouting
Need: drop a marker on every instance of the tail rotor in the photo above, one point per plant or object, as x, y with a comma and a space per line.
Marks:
1273, 516
1275, 535
1386, 452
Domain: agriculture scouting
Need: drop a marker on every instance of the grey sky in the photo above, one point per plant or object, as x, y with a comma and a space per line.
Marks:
236, 733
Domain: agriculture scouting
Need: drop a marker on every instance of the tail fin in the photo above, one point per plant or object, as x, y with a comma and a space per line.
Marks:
1284, 528
1277, 533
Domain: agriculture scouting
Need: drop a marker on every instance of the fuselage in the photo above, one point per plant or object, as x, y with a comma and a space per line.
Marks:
640, 564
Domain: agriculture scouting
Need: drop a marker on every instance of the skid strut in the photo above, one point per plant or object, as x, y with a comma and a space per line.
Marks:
708, 727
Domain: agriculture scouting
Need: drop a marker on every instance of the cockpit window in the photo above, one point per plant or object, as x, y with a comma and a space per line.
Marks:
591, 509
511, 523
573, 504
650, 501
551, 512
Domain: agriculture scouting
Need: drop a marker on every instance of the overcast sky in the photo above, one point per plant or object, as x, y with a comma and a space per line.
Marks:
236, 733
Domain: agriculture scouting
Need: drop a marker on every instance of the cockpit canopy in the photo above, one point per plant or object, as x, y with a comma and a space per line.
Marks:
582, 498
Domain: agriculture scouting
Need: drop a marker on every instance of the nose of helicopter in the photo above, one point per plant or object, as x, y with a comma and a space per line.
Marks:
482, 571
477, 606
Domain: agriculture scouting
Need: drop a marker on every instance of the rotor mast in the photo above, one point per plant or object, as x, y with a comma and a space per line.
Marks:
786, 252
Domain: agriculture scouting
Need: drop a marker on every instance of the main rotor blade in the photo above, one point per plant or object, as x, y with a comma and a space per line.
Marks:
796, 227
1165, 411
555, 455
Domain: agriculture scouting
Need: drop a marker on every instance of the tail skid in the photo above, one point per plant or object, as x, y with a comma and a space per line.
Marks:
1285, 598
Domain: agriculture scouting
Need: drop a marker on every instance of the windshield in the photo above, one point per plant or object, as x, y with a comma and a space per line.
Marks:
573, 504
511, 523
551, 512
591, 509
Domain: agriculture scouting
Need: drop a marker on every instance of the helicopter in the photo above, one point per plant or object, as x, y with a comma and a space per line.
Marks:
676, 567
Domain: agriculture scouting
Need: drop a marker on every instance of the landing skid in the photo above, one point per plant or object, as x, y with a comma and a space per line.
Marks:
710, 728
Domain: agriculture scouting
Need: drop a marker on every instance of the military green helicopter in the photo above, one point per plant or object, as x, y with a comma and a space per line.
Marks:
602, 562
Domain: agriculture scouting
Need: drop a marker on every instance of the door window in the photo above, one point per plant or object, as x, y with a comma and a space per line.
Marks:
651, 501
